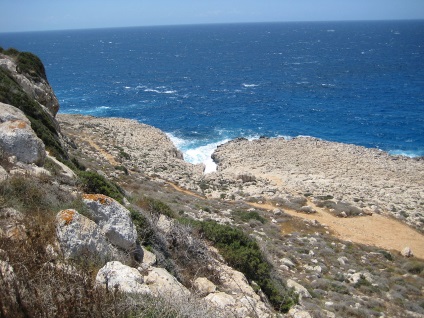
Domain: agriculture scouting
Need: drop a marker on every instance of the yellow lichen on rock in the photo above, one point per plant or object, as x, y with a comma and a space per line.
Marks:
102, 199
67, 216
17, 124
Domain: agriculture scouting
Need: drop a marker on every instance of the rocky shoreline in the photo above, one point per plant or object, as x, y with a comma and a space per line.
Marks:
274, 169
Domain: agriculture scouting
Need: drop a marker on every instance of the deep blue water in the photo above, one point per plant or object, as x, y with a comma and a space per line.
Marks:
352, 82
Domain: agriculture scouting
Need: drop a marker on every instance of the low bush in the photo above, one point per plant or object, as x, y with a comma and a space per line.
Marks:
155, 206
246, 216
243, 253
93, 183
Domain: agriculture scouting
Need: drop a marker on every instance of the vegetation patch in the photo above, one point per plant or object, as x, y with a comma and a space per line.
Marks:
246, 216
93, 183
243, 253
155, 206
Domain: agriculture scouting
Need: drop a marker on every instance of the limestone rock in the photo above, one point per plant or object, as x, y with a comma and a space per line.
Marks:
356, 277
11, 113
298, 312
236, 284
299, 289
18, 139
277, 212
164, 223
7, 282
148, 258
342, 260
287, 262
3, 174
307, 209
221, 300
407, 252
66, 171
79, 236
115, 275
204, 286
114, 220
11, 225
161, 282
37, 88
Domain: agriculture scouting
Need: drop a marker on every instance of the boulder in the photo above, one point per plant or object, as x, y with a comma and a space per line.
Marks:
113, 219
277, 212
3, 174
11, 113
7, 283
11, 225
299, 312
287, 262
221, 300
356, 277
18, 139
204, 286
161, 282
407, 252
115, 275
79, 236
148, 257
299, 289
164, 223
307, 209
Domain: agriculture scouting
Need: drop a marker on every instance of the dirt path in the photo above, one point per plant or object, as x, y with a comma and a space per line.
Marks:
179, 189
373, 230
103, 152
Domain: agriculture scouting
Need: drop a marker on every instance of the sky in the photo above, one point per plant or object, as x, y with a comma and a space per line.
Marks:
39, 15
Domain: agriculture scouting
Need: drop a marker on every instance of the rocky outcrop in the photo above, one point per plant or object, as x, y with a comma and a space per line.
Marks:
161, 282
17, 137
36, 87
79, 236
368, 180
115, 275
113, 219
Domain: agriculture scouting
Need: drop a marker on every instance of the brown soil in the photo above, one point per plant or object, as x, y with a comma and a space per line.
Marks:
373, 230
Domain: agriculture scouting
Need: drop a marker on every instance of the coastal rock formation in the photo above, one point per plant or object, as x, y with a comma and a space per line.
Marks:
37, 87
368, 179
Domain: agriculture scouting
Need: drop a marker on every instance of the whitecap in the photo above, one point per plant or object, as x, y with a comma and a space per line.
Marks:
195, 152
407, 153
249, 85
203, 154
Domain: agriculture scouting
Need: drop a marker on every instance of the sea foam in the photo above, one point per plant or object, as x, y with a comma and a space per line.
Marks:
196, 152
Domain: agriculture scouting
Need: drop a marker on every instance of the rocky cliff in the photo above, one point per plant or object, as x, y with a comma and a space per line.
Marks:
103, 217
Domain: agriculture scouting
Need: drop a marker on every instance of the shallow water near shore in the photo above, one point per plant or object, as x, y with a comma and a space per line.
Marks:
351, 82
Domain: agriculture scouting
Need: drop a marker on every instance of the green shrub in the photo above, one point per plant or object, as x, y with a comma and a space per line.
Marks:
144, 229
155, 206
249, 215
122, 168
414, 267
243, 253
94, 183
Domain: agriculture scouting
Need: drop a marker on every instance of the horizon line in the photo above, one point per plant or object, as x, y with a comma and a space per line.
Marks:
210, 23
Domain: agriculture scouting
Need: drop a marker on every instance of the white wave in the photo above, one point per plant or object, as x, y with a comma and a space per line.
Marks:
195, 153
159, 92
202, 154
249, 85
407, 153
178, 142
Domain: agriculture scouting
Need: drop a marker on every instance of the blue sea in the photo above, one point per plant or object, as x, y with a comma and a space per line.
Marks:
353, 82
